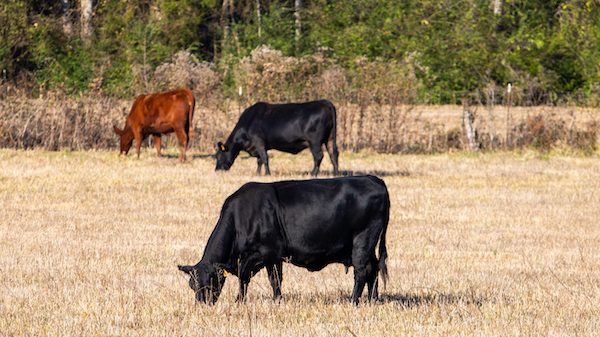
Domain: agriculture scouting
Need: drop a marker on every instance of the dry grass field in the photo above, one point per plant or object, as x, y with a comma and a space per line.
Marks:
479, 244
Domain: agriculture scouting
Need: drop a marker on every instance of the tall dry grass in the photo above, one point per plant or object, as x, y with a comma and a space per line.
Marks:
481, 244
55, 123
375, 103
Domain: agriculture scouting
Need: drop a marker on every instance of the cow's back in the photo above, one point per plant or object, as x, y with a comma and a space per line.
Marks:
137, 112
278, 115
289, 127
321, 218
170, 104
349, 196
160, 112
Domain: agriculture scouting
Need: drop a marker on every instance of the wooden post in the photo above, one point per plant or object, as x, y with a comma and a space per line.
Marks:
508, 142
490, 103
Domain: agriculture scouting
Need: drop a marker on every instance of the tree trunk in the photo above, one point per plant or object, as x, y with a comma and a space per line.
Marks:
67, 24
497, 7
298, 23
258, 19
86, 19
225, 25
469, 129
227, 21
234, 34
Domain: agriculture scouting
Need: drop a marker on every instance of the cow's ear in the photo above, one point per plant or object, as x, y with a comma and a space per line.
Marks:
117, 130
221, 269
185, 269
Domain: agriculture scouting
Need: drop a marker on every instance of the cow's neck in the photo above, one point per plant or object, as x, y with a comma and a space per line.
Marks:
235, 147
220, 243
128, 131
235, 134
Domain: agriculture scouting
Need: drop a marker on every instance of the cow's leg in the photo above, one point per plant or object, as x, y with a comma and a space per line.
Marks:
258, 165
317, 153
187, 136
137, 135
183, 138
248, 268
333, 154
275, 272
364, 261
360, 278
156, 141
372, 279
262, 155
243, 289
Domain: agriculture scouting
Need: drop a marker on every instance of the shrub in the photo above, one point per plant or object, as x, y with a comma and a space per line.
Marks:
184, 70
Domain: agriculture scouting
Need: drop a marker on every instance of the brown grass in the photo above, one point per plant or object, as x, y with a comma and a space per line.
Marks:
58, 122
494, 244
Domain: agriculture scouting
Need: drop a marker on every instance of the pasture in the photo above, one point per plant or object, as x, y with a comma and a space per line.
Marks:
479, 244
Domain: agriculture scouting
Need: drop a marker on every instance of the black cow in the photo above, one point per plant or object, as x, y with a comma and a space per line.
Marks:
309, 223
289, 128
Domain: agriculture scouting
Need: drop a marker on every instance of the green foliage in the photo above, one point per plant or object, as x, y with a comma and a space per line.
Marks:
277, 30
60, 62
118, 78
549, 48
13, 43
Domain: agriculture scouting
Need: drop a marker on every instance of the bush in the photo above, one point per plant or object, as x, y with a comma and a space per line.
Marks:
184, 70
267, 75
545, 133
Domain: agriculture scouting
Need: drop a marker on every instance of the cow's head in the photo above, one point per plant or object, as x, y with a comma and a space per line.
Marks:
126, 137
225, 157
206, 280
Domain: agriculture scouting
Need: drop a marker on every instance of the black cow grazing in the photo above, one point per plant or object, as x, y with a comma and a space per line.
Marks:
289, 128
309, 223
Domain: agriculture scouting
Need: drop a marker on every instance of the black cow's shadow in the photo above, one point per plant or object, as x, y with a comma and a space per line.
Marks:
193, 156
404, 300
351, 173
418, 300
203, 156
379, 173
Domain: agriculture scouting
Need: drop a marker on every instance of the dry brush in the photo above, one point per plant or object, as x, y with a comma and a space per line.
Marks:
375, 103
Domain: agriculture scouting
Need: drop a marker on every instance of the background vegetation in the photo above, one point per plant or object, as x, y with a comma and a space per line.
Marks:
444, 49
480, 244
71, 68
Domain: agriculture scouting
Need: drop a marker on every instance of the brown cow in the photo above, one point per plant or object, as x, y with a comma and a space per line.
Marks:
156, 114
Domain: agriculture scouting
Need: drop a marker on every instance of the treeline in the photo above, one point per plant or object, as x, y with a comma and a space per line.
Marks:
447, 49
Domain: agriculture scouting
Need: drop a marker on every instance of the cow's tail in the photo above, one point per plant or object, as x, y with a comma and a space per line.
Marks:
332, 141
192, 106
334, 129
382, 248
